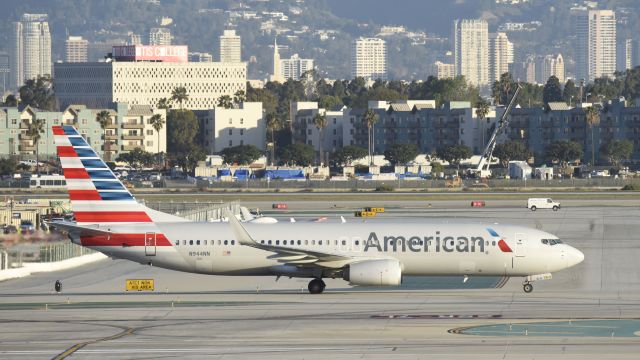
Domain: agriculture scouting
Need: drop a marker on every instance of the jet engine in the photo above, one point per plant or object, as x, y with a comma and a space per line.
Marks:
383, 272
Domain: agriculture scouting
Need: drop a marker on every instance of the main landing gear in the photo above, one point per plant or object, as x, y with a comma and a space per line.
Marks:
316, 286
527, 287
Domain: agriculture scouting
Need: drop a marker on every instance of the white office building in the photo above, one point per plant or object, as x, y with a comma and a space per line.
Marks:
595, 44
294, 67
225, 128
230, 47
624, 56
552, 65
30, 49
159, 36
471, 50
369, 59
144, 80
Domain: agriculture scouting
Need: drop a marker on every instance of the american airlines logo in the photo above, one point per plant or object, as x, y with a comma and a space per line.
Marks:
437, 243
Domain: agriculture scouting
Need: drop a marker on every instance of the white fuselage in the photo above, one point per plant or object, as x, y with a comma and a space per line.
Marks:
422, 249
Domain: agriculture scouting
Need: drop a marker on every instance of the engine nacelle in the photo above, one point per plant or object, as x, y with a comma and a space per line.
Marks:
383, 272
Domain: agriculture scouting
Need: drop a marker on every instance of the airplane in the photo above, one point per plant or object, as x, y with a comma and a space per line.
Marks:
371, 253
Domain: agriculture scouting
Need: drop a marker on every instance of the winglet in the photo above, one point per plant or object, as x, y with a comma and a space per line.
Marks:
239, 231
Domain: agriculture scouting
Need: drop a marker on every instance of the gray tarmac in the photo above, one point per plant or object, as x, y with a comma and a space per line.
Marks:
588, 312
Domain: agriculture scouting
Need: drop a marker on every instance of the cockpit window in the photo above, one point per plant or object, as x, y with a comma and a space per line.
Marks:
551, 241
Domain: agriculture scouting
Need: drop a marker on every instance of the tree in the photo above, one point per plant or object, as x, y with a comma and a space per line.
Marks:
453, 154
552, 91
8, 166
570, 92
164, 103
239, 97
482, 109
320, 122
501, 89
273, 124
35, 131
104, 119
436, 168
241, 154
225, 101
180, 95
592, 118
400, 154
346, 155
296, 154
10, 101
617, 151
38, 93
136, 158
563, 151
511, 150
157, 122
371, 118
192, 158
182, 147
329, 102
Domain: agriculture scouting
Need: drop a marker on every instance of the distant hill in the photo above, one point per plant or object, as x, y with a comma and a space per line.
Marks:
319, 29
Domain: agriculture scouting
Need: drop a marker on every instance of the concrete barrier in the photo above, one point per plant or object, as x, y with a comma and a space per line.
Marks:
32, 268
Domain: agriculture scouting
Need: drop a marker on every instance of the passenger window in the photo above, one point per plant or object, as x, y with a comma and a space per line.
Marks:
313, 242
357, 242
261, 241
306, 242
233, 242
344, 242
284, 242
219, 242
545, 241
184, 242
197, 242
205, 242
319, 242
493, 243
190, 242
299, 242
177, 242
277, 242
269, 242
226, 242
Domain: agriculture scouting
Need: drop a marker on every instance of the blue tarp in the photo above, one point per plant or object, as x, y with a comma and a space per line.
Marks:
241, 174
284, 174
224, 172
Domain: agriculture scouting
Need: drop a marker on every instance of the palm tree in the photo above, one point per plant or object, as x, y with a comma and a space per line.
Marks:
320, 121
370, 117
239, 97
273, 124
104, 119
482, 110
180, 95
157, 122
34, 131
225, 101
164, 103
592, 117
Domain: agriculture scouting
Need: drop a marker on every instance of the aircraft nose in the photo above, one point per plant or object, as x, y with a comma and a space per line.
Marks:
574, 257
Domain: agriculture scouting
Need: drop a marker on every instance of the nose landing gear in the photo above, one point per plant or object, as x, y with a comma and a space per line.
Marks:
316, 286
527, 287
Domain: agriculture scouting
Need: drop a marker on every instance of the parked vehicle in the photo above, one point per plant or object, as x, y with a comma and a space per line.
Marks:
26, 227
542, 203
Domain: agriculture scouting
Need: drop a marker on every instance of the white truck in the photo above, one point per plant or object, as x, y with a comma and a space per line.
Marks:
542, 203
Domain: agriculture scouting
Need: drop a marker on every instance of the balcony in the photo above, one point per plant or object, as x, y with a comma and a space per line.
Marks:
23, 136
133, 137
131, 147
26, 147
24, 125
111, 125
132, 126
111, 137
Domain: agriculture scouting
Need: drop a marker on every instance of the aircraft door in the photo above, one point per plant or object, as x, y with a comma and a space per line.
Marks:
150, 244
520, 245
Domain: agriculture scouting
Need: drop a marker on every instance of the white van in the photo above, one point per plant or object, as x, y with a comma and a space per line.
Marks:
542, 203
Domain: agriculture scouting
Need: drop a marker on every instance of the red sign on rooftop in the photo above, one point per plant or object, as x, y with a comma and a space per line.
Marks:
162, 53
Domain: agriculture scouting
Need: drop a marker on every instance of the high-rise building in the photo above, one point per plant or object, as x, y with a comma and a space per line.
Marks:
525, 70
624, 56
31, 49
552, 65
471, 50
277, 72
500, 55
369, 59
443, 71
200, 57
230, 47
294, 67
159, 36
134, 39
595, 44
76, 49
5, 69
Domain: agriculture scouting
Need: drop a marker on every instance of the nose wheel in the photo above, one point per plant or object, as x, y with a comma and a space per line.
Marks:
527, 287
316, 286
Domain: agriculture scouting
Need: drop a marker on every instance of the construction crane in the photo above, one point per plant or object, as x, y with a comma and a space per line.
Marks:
482, 170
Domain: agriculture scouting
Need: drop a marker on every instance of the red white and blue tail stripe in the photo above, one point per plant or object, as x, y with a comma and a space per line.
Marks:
97, 195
